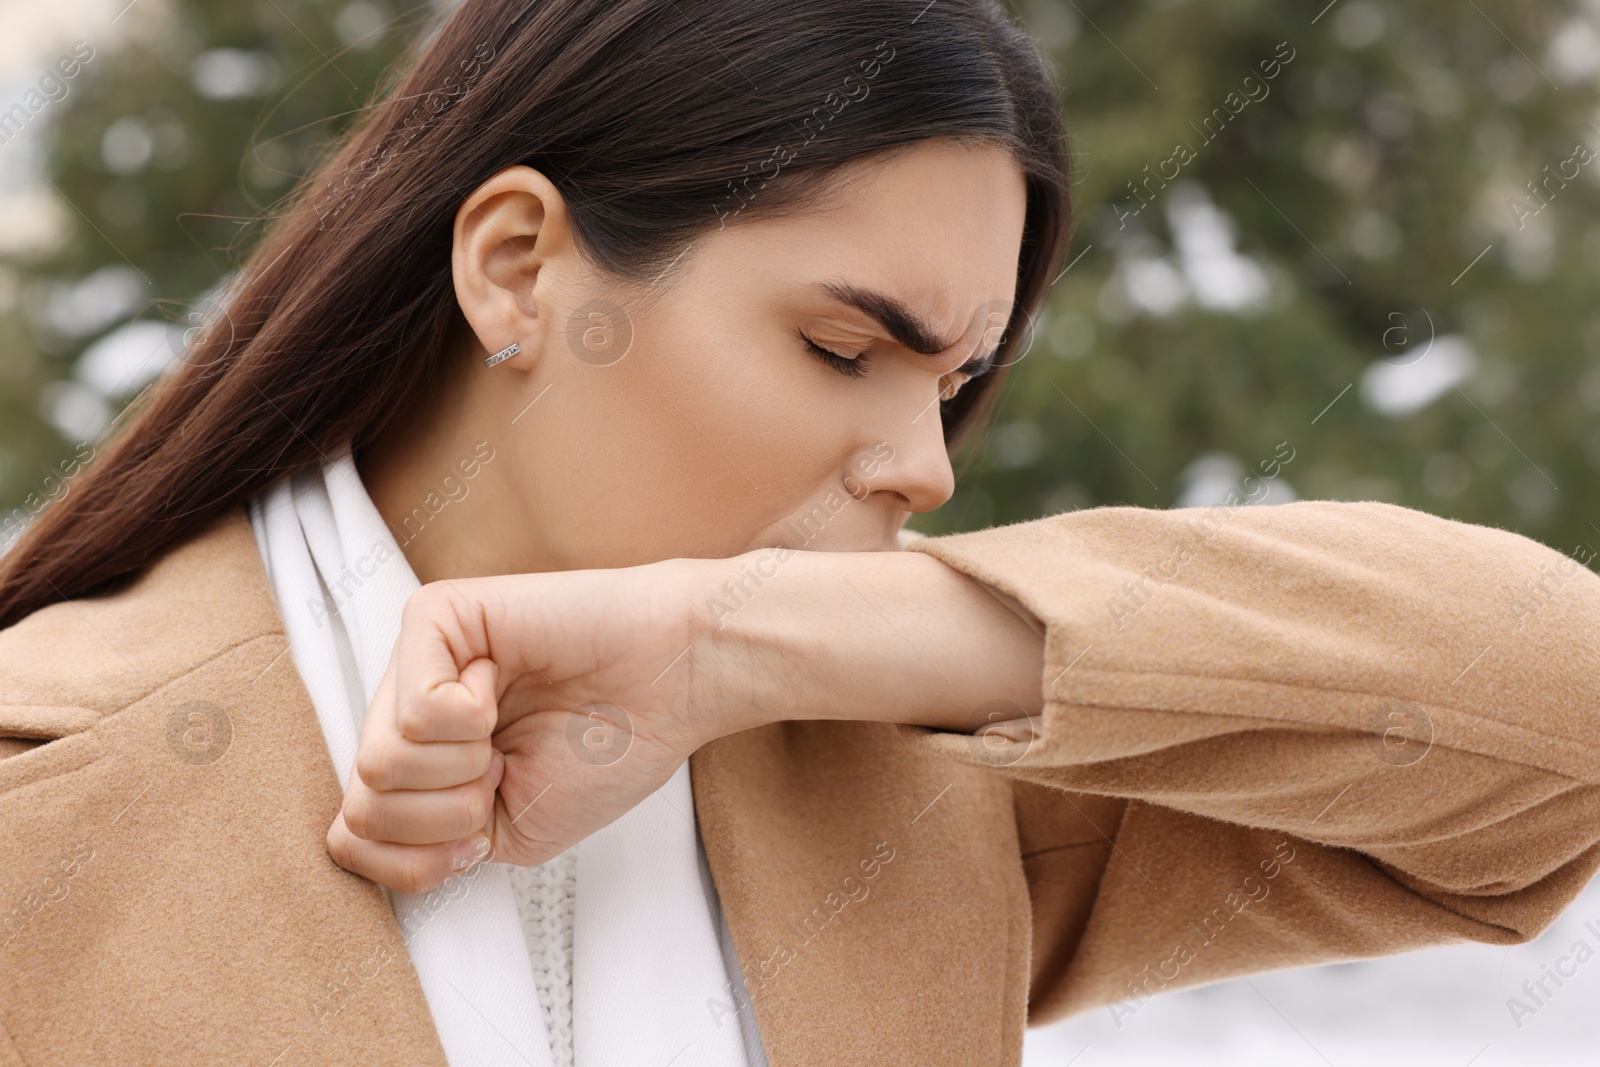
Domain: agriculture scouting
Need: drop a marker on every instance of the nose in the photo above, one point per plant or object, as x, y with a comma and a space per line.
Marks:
909, 464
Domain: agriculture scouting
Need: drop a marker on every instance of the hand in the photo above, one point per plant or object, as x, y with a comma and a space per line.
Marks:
593, 686
525, 712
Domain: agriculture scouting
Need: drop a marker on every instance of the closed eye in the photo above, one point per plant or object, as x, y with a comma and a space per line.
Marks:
856, 366
851, 366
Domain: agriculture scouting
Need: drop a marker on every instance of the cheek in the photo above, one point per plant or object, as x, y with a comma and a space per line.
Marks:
682, 450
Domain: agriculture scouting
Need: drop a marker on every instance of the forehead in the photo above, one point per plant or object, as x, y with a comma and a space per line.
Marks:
937, 226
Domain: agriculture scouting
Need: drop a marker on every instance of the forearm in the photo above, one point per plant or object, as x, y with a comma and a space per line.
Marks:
879, 636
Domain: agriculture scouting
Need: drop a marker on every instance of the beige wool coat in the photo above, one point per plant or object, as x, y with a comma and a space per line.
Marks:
1272, 736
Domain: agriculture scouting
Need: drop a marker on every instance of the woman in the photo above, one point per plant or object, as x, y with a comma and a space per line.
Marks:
536, 498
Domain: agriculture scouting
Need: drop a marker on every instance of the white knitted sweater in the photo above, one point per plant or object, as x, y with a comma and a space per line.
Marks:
545, 898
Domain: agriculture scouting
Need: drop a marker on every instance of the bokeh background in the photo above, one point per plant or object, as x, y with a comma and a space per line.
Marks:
1361, 235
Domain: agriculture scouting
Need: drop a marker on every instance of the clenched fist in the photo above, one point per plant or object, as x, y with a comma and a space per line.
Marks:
517, 716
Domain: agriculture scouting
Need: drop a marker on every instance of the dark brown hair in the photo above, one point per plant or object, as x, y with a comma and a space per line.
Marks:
656, 119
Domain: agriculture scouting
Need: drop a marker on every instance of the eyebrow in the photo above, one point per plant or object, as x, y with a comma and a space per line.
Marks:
903, 324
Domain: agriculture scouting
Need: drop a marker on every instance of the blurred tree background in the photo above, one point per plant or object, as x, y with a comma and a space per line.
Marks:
1318, 246
167, 153
1353, 244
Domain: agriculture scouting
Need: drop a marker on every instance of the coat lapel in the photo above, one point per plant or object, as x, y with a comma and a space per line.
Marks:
166, 894
876, 900
163, 871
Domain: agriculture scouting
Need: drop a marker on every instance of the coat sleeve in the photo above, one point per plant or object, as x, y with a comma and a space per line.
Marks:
1276, 736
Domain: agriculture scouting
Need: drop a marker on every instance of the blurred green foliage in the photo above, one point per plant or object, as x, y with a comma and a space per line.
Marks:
1377, 165
190, 120
1348, 217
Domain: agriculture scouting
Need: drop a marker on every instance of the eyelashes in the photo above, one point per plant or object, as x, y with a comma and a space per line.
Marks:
853, 367
856, 366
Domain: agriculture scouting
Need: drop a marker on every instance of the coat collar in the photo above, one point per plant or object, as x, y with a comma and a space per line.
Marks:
168, 896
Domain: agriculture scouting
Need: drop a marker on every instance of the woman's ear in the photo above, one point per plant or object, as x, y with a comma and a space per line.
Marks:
513, 260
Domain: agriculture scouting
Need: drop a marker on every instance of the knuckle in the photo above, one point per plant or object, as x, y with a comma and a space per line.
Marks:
339, 845
415, 718
415, 875
423, 602
377, 767
489, 713
479, 809
459, 822
361, 816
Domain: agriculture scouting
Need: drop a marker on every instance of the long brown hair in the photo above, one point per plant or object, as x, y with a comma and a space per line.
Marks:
656, 119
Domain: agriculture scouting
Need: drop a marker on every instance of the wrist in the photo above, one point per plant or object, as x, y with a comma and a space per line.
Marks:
881, 636
731, 684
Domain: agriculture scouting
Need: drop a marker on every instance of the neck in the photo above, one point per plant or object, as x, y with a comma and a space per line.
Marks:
447, 498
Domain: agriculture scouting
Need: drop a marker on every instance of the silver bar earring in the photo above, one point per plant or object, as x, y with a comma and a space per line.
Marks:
504, 354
